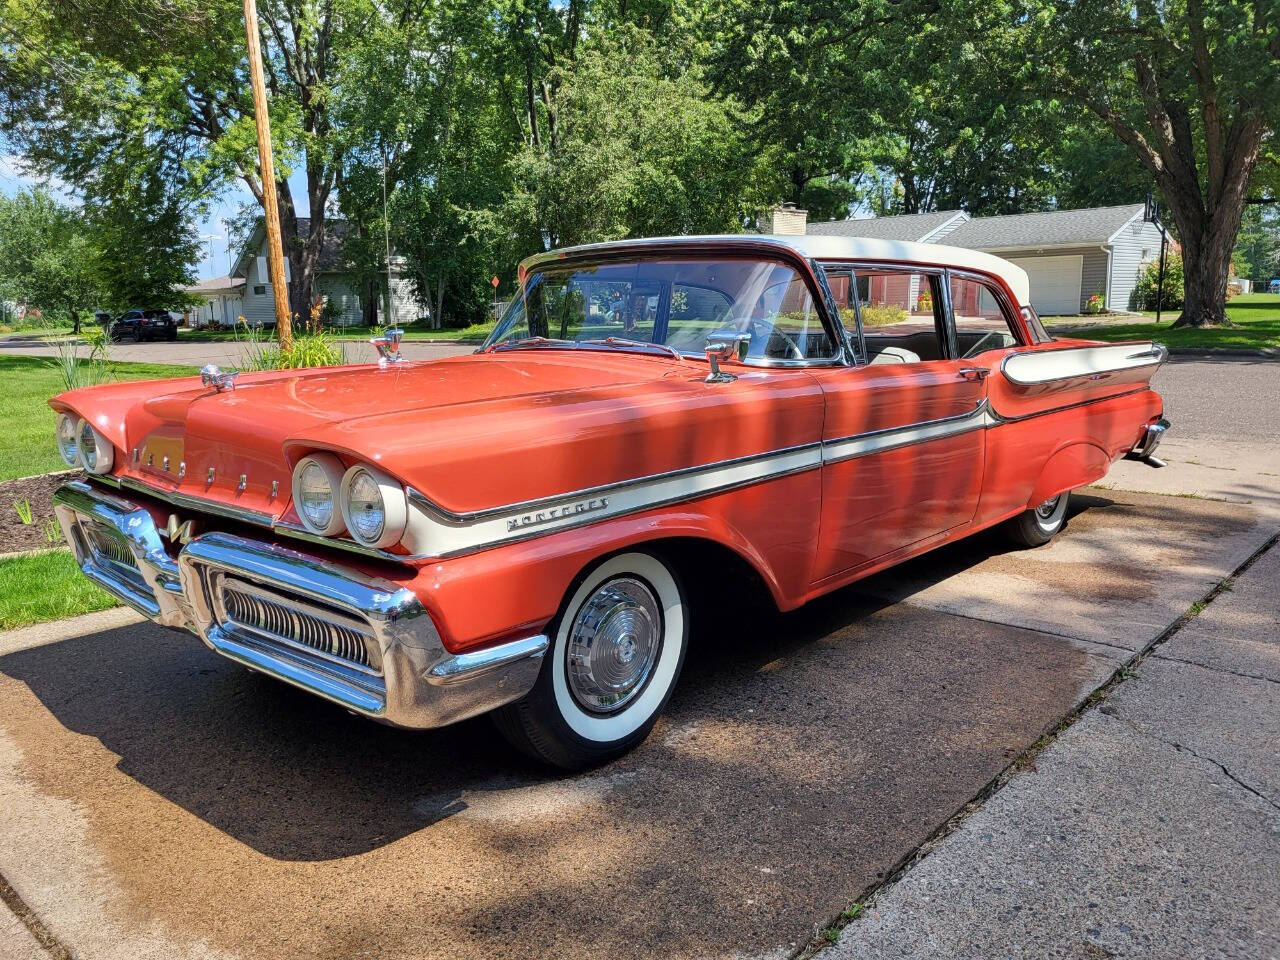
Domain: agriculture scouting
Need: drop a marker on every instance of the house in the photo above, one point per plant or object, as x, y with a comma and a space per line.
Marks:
912, 227
334, 280
1069, 255
223, 301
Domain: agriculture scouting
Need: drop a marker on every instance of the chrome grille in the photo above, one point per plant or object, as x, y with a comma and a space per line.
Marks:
324, 630
108, 544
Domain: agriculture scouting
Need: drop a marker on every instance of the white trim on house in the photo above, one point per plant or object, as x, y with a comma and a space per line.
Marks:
938, 233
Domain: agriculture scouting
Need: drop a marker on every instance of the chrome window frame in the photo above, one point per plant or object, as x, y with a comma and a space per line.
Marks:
928, 270
1012, 316
808, 269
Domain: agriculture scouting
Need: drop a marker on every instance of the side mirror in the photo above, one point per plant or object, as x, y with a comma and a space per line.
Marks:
725, 346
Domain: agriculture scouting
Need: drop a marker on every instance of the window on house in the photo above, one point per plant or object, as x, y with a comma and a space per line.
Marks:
259, 290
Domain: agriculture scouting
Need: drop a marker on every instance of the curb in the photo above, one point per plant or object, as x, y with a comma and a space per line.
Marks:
1209, 353
55, 631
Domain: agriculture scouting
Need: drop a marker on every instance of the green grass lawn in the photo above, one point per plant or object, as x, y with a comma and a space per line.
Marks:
474, 332
46, 586
26, 422
1256, 317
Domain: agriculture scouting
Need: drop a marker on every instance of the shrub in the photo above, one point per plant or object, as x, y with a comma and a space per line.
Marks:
309, 349
883, 315
1171, 298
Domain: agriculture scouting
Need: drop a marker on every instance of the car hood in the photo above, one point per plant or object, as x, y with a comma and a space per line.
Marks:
469, 433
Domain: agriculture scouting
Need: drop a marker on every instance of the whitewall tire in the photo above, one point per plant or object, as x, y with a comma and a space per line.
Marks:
616, 651
1039, 525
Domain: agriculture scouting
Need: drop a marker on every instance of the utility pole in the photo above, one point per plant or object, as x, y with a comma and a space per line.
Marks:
275, 251
386, 235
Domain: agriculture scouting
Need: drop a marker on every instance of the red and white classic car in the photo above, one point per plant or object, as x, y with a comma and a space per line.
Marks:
524, 529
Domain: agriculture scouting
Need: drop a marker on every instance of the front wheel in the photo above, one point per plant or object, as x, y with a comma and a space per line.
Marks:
616, 652
1037, 526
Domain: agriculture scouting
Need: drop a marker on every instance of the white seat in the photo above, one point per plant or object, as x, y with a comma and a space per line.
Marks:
895, 355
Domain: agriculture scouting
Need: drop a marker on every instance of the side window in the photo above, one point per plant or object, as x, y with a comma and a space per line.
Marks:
980, 320
786, 325
901, 315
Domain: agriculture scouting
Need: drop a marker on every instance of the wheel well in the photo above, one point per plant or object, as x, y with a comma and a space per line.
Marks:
712, 573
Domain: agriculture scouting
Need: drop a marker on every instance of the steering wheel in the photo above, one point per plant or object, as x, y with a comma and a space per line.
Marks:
771, 331
988, 341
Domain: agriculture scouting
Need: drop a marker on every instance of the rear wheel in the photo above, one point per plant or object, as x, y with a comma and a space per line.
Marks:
615, 655
1039, 525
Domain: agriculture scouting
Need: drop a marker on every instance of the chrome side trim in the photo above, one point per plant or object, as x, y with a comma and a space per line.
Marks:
436, 532
1036, 367
878, 441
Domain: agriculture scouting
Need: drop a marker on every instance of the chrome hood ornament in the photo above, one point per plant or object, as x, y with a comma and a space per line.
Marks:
388, 346
211, 376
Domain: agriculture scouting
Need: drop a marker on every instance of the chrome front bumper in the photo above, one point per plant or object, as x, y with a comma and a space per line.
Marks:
362, 642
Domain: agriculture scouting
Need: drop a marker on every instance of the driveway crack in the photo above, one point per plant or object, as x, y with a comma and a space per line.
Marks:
1209, 666
1183, 748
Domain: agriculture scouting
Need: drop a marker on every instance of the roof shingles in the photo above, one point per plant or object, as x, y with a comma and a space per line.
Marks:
1055, 228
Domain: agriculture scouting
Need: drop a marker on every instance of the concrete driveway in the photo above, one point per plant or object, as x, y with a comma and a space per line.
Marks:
157, 801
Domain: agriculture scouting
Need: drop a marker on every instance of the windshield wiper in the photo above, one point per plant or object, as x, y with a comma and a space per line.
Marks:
625, 344
534, 343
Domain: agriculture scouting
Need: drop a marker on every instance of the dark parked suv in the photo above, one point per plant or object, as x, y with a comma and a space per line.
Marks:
144, 325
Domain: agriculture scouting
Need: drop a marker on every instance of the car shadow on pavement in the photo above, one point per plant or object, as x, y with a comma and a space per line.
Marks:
801, 757
301, 779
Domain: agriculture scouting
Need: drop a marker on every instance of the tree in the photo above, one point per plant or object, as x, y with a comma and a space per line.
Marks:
641, 148
1192, 88
47, 256
1257, 253
97, 92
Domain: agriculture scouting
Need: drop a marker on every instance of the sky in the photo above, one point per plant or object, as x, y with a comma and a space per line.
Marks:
215, 256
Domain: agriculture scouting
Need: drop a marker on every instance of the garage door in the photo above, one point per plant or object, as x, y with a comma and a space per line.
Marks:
1055, 283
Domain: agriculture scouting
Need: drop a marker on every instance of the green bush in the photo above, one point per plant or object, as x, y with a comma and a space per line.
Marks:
309, 349
884, 315
1171, 297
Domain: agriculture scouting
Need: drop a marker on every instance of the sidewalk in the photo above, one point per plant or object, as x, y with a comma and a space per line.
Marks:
1150, 827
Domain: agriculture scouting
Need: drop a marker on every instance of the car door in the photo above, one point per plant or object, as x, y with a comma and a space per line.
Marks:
903, 443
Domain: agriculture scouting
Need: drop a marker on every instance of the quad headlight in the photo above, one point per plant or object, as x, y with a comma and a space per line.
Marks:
316, 481
96, 452
374, 506
68, 442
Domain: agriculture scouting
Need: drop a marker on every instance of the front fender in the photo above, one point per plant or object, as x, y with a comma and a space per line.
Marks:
485, 597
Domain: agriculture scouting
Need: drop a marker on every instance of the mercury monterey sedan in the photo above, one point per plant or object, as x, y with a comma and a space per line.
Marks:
530, 529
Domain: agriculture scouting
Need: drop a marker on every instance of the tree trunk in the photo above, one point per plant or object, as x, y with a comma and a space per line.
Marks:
75, 322
369, 304
437, 311
1206, 262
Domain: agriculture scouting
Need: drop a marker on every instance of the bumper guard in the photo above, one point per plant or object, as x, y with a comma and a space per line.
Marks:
362, 642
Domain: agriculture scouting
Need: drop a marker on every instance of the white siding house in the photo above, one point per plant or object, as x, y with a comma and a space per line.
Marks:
1069, 255
223, 301
332, 282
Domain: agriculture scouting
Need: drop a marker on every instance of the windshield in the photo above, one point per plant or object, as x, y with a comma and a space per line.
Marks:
675, 303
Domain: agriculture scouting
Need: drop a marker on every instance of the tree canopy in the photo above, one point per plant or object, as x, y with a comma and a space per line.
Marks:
496, 125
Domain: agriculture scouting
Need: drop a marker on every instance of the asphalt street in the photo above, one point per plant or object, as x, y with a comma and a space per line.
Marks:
158, 801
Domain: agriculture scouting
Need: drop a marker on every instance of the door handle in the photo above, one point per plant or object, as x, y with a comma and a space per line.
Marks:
974, 373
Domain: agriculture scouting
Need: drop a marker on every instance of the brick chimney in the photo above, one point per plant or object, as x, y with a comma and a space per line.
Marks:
786, 219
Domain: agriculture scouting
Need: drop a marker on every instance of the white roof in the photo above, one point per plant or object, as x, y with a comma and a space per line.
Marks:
836, 248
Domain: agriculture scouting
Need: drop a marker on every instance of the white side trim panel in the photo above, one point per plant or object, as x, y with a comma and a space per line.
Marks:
1046, 366
434, 532
833, 451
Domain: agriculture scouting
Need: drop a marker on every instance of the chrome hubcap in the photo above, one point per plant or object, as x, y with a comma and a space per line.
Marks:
1046, 510
613, 644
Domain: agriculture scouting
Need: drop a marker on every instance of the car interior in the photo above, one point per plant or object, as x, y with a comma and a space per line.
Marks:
903, 314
